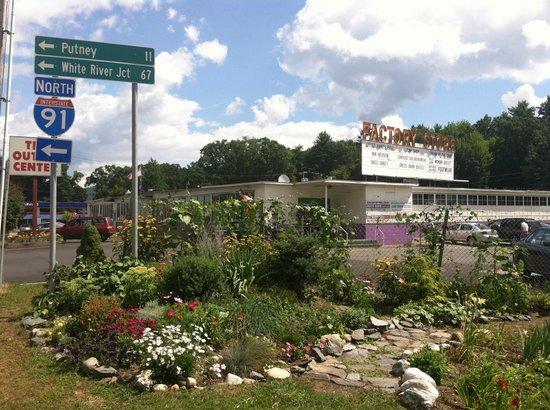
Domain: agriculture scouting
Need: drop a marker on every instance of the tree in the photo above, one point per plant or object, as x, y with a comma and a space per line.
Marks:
68, 188
16, 207
90, 249
473, 159
109, 180
152, 176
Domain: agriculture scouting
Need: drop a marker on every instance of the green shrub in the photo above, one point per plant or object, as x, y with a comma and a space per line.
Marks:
414, 278
72, 295
431, 362
152, 311
90, 249
445, 312
194, 277
139, 285
354, 318
540, 303
246, 354
479, 387
505, 292
94, 312
537, 344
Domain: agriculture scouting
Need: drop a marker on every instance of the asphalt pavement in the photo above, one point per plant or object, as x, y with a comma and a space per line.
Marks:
27, 265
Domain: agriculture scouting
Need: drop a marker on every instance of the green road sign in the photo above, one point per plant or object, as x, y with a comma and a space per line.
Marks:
99, 70
92, 50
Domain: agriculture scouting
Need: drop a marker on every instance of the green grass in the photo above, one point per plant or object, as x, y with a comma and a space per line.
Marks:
31, 379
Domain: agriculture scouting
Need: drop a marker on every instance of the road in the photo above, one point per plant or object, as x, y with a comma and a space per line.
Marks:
26, 265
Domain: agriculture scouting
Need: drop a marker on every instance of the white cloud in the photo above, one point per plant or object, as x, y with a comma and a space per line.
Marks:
171, 14
212, 50
235, 106
22, 69
393, 120
109, 22
172, 68
537, 33
97, 35
524, 92
192, 33
170, 28
274, 109
374, 55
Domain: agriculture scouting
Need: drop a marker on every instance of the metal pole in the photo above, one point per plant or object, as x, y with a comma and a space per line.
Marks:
53, 222
34, 204
135, 183
3, 227
443, 235
5, 143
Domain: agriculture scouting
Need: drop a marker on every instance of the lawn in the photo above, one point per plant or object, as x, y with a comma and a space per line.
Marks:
30, 378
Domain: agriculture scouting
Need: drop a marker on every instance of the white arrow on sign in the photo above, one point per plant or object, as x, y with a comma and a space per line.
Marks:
43, 45
43, 65
48, 150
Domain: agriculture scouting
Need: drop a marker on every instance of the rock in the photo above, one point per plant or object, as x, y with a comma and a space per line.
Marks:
110, 380
421, 385
125, 376
41, 332
399, 367
417, 399
391, 326
396, 323
355, 354
393, 338
316, 376
318, 355
330, 370
90, 364
143, 380
379, 323
381, 343
297, 369
175, 387
382, 382
406, 323
233, 379
454, 343
371, 331
39, 341
358, 335
160, 387
368, 346
397, 333
333, 344
415, 373
30, 322
435, 347
347, 382
257, 376
353, 376
191, 382
347, 337
375, 336
348, 347
104, 371
457, 336
440, 334
60, 356
406, 354
483, 319
246, 380
277, 373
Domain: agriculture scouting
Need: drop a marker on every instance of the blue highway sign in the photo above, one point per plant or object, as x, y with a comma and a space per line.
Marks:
53, 116
55, 87
53, 150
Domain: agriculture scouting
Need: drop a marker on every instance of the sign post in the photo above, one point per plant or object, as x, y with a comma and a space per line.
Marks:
135, 178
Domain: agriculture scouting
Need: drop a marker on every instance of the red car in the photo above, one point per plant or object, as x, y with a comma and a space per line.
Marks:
75, 228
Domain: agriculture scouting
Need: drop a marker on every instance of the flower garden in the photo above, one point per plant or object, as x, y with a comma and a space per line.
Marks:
241, 292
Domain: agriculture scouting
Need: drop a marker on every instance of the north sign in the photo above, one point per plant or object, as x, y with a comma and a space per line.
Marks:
97, 70
54, 150
55, 87
53, 116
92, 50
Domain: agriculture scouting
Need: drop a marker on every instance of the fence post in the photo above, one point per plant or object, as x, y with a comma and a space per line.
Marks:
443, 234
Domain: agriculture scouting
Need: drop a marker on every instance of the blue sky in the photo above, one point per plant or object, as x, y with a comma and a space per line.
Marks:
287, 69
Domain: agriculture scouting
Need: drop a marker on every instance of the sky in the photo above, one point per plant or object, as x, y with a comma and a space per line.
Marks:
285, 69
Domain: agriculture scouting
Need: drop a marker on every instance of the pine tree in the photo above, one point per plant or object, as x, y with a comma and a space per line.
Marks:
90, 246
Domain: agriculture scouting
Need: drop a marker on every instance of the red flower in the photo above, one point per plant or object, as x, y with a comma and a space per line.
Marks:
503, 384
133, 311
192, 304
516, 401
170, 313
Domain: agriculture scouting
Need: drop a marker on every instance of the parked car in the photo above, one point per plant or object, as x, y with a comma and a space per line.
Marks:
470, 232
534, 252
76, 227
45, 226
510, 228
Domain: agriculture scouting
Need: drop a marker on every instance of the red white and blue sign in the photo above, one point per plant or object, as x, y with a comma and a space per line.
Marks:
53, 116
53, 150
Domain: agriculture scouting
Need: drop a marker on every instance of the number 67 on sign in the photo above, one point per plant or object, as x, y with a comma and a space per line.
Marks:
53, 116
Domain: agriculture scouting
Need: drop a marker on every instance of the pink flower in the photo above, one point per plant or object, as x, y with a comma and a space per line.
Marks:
192, 304
133, 311
170, 313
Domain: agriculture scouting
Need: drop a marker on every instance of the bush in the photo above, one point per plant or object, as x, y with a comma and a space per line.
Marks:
353, 318
340, 286
95, 310
431, 362
540, 303
445, 312
71, 296
415, 278
505, 293
90, 249
140, 285
537, 344
152, 241
194, 277
246, 354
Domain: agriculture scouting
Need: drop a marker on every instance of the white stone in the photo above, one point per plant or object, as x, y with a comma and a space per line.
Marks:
233, 379
91, 363
415, 373
160, 387
174, 387
417, 399
378, 322
420, 385
246, 380
348, 347
143, 380
191, 382
277, 373
399, 367
406, 354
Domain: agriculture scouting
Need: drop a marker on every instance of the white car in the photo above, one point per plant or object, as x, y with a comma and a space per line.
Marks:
470, 232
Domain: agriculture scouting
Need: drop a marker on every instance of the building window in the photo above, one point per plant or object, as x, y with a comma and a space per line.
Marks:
491, 199
417, 199
472, 199
463, 199
501, 200
428, 199
440, 199
519, 200
536, 201
510, 201
542, 201
482, 199
451, 199
527, 201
